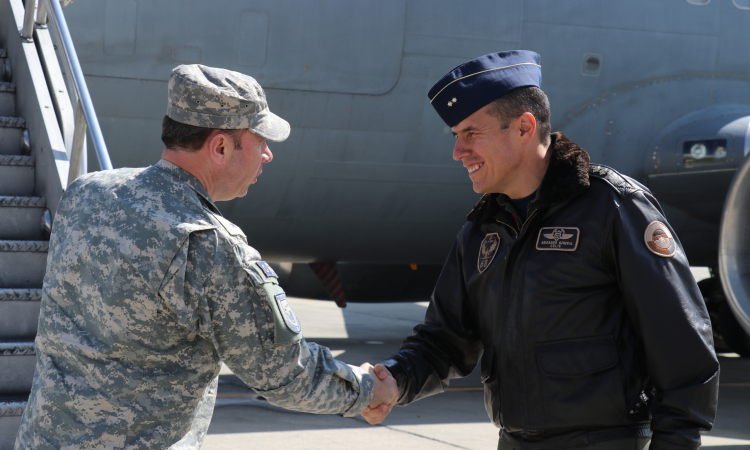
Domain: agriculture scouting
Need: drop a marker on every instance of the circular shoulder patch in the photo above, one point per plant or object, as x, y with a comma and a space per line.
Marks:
659, 240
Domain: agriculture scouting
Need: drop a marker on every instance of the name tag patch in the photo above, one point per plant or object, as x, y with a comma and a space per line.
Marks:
287, 314
266, 269
487, 251
562, 239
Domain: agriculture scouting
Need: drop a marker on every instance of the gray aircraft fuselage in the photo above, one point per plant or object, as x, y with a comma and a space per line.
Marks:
367, 174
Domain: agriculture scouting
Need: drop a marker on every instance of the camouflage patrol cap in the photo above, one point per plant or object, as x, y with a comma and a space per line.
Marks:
218, 98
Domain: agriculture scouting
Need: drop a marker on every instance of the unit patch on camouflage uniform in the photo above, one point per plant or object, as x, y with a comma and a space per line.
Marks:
487, 251
266, 269
659, 240
563, 239
290, 319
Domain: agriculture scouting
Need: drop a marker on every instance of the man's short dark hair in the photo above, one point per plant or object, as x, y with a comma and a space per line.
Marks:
529, 99
180, 136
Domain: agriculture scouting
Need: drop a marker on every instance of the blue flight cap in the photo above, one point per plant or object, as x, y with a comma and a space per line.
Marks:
476, 83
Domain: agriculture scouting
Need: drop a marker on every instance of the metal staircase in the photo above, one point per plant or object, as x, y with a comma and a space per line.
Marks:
23, 255
42, 149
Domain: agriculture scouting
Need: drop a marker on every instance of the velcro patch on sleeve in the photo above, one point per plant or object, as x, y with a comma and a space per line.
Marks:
287, 326
266, 269
290, 319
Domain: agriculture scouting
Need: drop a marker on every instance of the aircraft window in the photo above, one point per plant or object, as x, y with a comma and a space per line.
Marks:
699, 2
742, 4
591, 64
705, 151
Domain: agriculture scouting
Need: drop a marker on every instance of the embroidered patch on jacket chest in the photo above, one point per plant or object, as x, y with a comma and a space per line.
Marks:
562, 239
487, 250
659, 240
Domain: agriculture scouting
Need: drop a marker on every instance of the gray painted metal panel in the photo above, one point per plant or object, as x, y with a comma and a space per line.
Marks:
20, 315
19, 320
7, 99
658, 62
22, 263
16, 180
349, 47
11, 137
9, 425
21, 222
17, 363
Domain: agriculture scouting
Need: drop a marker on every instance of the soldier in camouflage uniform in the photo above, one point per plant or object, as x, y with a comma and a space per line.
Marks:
148, 288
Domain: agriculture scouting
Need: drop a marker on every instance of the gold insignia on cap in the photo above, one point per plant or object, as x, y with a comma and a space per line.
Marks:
450, 104
659, 240
454, 100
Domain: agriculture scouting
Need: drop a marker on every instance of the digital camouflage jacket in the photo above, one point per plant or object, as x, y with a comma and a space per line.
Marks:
147, 289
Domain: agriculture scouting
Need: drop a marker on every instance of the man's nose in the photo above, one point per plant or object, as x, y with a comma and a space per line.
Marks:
459, 150
267, 156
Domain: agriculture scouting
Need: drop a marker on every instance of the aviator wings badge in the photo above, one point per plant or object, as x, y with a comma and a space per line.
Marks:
487, 250
564, 239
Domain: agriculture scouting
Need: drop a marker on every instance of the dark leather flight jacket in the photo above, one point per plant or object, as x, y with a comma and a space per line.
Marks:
577, 345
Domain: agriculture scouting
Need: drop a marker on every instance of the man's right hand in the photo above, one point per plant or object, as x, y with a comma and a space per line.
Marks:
385, 393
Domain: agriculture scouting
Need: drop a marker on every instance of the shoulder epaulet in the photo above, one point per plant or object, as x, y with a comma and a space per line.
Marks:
228, 226
624, 185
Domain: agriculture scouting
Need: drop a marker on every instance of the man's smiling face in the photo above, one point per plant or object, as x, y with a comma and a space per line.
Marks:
488, 151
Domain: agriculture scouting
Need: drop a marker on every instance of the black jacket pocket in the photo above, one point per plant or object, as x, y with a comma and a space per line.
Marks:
576, 357
581, 382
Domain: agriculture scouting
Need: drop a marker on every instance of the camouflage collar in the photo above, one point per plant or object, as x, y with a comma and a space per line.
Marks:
185, 176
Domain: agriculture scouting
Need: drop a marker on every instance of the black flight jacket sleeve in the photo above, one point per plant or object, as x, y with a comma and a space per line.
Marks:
445, 346
669, 314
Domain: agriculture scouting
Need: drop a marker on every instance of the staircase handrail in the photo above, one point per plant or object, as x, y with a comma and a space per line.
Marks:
85, 113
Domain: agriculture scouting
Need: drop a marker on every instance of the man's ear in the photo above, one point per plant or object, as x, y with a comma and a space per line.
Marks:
526, 126
219, 147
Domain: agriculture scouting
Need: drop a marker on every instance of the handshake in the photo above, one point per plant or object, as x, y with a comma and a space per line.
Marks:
385, 393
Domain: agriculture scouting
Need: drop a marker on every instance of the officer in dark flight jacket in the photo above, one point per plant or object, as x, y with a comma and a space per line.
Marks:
566, 284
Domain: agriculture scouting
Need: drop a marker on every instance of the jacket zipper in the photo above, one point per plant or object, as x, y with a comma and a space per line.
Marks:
507, 291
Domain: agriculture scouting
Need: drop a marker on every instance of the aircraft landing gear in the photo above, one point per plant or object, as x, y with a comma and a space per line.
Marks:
728, 333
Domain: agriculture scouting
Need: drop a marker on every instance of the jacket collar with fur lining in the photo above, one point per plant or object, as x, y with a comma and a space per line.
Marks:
567, 176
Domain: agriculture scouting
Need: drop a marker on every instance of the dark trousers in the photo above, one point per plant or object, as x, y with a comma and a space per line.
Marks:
635, 443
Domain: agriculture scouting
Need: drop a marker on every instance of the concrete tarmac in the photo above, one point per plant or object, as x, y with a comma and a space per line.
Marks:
455, 419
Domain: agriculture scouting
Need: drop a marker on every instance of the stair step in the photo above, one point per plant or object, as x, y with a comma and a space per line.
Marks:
22, 263
16, 175
11, 135
11, 410
21, 217
7, 98
20, 315
17, 364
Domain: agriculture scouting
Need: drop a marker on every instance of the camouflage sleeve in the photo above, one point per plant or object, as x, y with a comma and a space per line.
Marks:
244, 312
